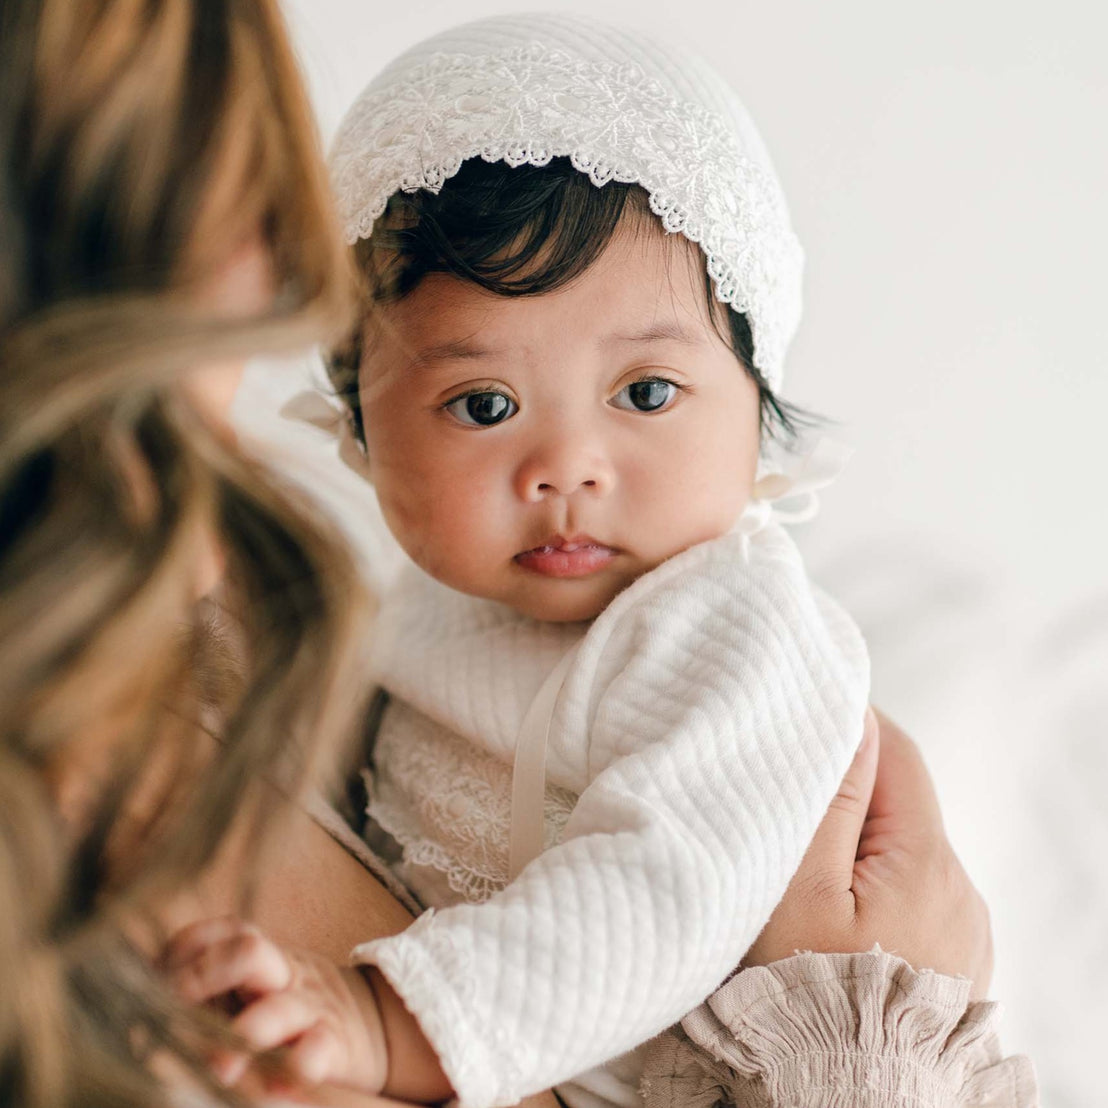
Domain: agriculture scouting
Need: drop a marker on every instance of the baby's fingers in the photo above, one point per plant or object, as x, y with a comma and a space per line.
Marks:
242, 961
190, 940
316, 1056
275, 1020
228, 1066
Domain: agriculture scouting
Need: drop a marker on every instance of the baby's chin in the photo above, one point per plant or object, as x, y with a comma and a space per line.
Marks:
540, 596
561, 609
545, 599
560, 601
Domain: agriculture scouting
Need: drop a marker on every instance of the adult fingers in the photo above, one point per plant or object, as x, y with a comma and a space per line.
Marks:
903, 794
818, 909
828, 863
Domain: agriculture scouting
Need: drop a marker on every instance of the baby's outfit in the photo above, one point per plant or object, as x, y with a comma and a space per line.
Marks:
691, 737
702, 726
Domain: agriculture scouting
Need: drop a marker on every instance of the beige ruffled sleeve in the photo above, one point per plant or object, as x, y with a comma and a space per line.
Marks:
838, 1031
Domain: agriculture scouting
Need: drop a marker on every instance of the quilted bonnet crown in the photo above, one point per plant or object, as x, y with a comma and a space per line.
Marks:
622, 107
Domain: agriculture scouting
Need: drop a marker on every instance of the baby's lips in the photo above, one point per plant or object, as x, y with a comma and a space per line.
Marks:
568, 560
567, 546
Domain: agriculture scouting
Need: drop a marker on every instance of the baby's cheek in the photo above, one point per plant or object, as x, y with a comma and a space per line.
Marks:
404, 511
443, 534
705, 502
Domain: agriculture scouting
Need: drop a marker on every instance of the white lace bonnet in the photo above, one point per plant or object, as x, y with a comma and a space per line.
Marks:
524, 89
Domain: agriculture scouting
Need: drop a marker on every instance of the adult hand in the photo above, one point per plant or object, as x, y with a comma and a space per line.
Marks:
881, 870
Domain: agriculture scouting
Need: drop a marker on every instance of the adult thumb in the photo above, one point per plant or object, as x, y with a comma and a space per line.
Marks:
829, 861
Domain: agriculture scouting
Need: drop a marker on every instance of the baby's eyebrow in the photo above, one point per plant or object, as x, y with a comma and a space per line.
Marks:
666, 331
462, 350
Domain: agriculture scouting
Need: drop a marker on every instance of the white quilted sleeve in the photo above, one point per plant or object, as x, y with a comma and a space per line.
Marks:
724, 704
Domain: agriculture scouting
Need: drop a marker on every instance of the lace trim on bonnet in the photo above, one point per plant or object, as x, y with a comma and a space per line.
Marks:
707, 173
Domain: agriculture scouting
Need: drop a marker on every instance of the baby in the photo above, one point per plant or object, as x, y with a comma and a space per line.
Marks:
617, 709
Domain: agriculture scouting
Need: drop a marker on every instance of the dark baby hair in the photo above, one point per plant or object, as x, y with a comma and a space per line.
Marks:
518, 231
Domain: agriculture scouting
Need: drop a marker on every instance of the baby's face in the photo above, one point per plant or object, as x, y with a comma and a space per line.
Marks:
547, 451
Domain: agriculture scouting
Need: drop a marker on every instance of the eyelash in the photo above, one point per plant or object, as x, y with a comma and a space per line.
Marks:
476, 390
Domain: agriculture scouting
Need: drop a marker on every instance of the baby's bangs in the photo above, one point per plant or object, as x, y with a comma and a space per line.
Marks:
512, 231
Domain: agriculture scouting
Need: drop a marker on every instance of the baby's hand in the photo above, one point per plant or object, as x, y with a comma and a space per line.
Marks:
325, 1016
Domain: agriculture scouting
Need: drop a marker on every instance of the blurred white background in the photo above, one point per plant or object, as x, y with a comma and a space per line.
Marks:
947, 168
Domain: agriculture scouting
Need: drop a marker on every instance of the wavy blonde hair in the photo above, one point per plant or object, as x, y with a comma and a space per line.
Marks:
144, 142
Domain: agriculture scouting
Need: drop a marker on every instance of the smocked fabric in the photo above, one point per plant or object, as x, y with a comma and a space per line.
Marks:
838, 1031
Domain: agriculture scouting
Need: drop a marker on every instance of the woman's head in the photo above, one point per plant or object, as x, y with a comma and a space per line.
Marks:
151, 141
152, 147
164, 216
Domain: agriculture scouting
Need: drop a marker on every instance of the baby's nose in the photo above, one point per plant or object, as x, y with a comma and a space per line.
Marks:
564, 471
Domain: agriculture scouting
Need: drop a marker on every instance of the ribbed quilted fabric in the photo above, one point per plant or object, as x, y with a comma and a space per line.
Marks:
706, 722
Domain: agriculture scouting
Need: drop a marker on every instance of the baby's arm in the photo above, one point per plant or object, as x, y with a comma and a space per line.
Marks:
341, 1025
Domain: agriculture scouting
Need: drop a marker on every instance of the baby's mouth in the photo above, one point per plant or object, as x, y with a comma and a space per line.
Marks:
579, 556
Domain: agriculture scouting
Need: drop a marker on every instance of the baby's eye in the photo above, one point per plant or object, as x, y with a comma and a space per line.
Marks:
482, 409
651, 394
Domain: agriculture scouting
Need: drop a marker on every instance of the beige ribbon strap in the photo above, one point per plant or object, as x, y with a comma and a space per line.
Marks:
527, 836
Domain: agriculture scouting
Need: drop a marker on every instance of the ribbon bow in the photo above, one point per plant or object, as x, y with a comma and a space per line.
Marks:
314, 408
814, 471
